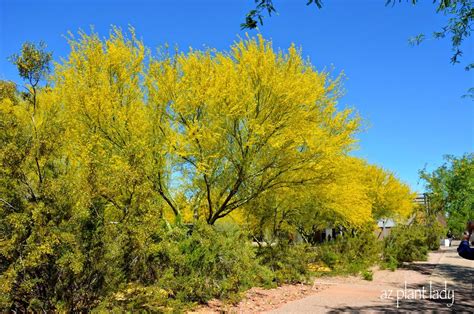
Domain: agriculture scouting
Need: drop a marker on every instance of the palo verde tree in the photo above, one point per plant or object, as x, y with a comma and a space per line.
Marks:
354, 195
33, 204
117, 146
390, 197
248, 121
77, 205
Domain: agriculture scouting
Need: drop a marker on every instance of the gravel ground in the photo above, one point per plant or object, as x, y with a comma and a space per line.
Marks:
258, 300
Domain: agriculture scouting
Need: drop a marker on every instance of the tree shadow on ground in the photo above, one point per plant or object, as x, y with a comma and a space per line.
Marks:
461, 275
429, 296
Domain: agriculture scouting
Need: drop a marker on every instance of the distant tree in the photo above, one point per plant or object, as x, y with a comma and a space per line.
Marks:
451, 190
354, 194
33, 64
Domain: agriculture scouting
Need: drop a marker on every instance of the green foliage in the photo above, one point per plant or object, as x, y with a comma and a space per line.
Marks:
458, 27
405, 244
188, 266
408, 243
288, 262
33, 62
368, 275
350, 254
215, 265
451, 190
329, 256
175, 269
136, 297
433, 233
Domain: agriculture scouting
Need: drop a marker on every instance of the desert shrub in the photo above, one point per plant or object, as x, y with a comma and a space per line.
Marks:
288, 262
170, 268
433, 234
214, 264
368, 275
350, 253
136, 297
192, 266
405, 244
329, 255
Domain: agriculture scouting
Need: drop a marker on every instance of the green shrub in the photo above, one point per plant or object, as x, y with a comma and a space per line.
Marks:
329, 257
192, 267
433, 233
158, 269
136, 297
215, 265
390, 262
350, 254
288, 262
405, 244
368, 275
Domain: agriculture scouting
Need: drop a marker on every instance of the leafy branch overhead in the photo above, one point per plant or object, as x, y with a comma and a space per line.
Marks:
457, 28
255, 16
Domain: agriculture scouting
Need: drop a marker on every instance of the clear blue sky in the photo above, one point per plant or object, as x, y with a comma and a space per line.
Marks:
410, 96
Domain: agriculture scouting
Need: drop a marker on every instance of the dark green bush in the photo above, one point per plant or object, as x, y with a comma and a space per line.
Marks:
433, 233
368, 275
405, 244
329, 256
163, 269
350, 254
192, 268
288, 262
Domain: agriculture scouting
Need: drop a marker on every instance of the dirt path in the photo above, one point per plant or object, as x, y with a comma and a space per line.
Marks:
444, 283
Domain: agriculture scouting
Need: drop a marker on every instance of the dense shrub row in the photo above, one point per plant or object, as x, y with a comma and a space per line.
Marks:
188, 266
177, 267
185, 265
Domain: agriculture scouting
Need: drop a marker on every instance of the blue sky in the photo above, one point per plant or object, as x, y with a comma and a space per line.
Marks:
410, 96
